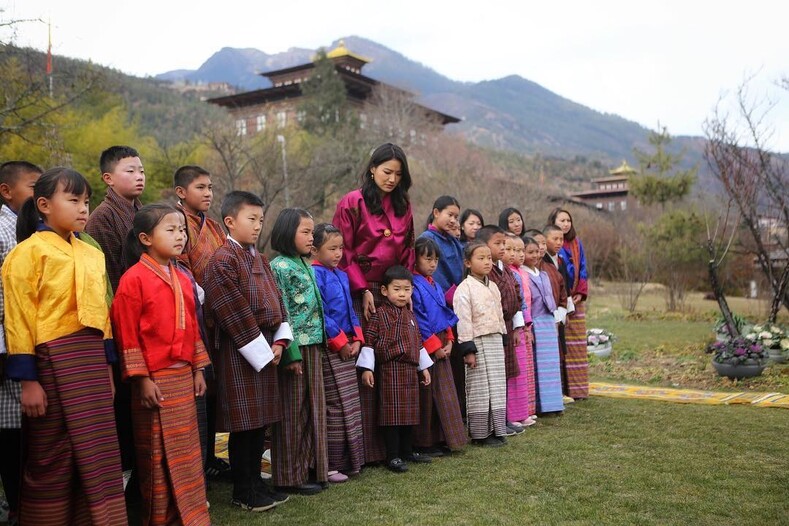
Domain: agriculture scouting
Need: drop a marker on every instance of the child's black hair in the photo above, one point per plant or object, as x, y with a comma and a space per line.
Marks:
424, 246
504, 217
468, 212
569, 236
47, 185
488, 231
184, 175
532, 232
145, 220
440, 204
322, 233
283, 233
11, 171
396, 272
112, 155
468, 251
233, 202
370, 191
529, 241
551, 228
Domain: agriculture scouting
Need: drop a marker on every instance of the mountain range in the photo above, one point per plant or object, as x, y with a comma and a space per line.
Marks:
510, 113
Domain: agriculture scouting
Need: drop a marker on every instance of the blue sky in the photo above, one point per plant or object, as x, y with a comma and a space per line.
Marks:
667, 62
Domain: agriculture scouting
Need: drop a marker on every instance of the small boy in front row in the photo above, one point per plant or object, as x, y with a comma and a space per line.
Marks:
394, 351
251, 331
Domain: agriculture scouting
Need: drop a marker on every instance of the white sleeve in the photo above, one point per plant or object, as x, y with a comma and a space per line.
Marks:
366, 359
517, 320
570, 305
200, 294
424, 359
284, 332
257, 353
2, 339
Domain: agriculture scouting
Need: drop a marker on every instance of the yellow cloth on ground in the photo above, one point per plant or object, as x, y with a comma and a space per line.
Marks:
688, 396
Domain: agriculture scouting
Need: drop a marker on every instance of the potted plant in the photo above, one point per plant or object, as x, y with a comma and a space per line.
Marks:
722, 332
738, 358
599, 342
771, 337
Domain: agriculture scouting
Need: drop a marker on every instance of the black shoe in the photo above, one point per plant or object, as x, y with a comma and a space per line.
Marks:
217, 468
502, 440
276, 496
492, 441
516, 429
308, 488
397, 465
419, 458
255, 501
433, 452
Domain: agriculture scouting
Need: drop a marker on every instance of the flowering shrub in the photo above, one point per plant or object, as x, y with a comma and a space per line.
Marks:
738, 351
769, 336
595, 337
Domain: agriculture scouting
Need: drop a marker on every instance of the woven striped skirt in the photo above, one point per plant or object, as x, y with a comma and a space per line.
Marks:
549, 374
518, 388
486, 389
577, 360
439, 410
343, 414
298, 442
169, 457
73, 470
374, 447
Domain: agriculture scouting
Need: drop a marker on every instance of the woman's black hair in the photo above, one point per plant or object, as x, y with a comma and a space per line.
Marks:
370, 191
145, 220
283, 234
569, 236
425, 246
46, 186
440, 204
504, 217
322, 233
467, 213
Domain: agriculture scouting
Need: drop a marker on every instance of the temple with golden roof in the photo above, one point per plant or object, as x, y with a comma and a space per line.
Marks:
277, 106
610, 193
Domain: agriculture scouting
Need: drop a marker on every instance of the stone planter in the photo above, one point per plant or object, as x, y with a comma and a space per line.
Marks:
602, 350
738, 371
776, 356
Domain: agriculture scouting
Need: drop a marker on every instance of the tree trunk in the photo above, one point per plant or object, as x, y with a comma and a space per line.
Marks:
780, 296
720, 297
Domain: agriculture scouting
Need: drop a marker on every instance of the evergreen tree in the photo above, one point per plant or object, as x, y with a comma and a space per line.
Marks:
324, 108
660, 182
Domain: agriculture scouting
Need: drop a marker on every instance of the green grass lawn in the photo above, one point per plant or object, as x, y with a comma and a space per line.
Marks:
655, 347
605, 461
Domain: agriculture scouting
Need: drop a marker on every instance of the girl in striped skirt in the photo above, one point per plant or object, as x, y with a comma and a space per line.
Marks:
162, 353
440, 420
545, 316
480, 327
344, 339
57, 323
299, 459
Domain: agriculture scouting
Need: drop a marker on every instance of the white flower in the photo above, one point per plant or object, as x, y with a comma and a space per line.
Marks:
751, 336
764, 335
596, 331
757, 328
603, 338
593, 340
775, 330
785, 344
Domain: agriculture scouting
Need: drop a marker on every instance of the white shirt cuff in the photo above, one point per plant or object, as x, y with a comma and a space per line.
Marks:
284, 332
559, 315
257, 353
424, 359
517, 320
570, 305
2, 339
366, 358
200, 294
